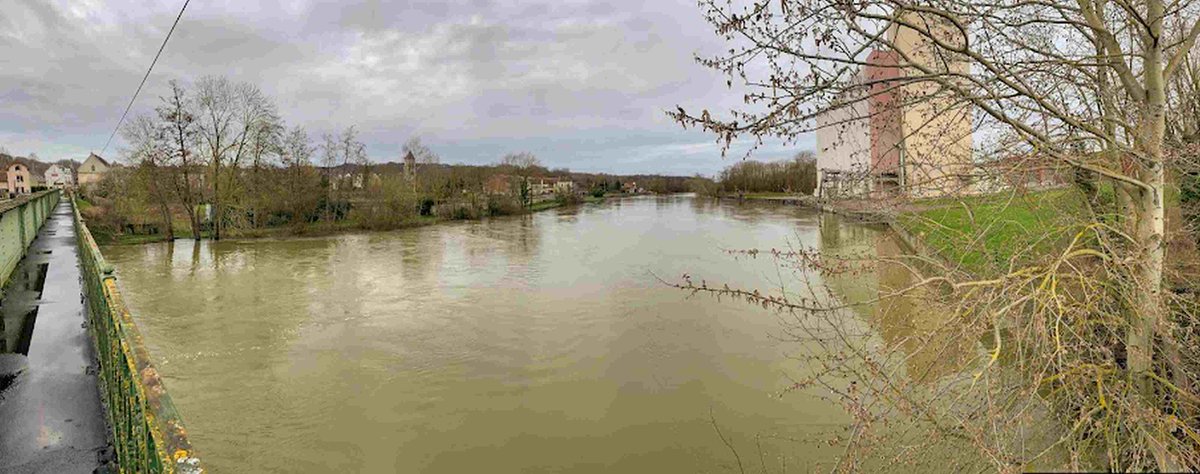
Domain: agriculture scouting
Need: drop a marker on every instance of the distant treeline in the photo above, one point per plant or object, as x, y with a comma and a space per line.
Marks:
217, 159
795, 176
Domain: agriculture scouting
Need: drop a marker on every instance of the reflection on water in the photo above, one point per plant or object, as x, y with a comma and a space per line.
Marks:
540, 343
914, 323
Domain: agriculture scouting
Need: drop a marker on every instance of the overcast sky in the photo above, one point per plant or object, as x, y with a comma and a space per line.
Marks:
582, 84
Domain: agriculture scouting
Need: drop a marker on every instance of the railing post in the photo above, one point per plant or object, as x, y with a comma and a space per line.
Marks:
21, 223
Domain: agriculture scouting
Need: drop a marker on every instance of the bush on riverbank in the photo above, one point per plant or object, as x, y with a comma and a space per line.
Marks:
568, 198
795, 176
393, 202
704, 187
373, 217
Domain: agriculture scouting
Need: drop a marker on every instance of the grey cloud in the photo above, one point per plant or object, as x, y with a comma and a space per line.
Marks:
585, 81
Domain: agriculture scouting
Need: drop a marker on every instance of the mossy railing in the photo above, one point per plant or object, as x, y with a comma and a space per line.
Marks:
20, 220
148, 434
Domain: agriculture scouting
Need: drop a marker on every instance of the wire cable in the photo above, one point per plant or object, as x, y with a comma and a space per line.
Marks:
147, 76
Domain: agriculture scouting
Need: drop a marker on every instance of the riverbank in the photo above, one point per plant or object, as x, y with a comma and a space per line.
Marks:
986, 235
979, 234
975, 234
323, 228
780, 198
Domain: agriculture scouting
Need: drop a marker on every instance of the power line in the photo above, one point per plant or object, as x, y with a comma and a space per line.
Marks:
147, 76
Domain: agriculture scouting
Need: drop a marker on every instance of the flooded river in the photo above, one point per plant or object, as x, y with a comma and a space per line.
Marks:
540, 343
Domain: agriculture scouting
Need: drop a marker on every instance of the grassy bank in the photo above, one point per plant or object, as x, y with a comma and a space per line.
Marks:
554, 203
986, 234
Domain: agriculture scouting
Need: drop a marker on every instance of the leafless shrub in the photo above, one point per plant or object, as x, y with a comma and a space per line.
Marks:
1078, 350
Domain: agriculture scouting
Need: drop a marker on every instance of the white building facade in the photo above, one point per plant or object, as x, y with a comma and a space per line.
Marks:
844, 149
59, 177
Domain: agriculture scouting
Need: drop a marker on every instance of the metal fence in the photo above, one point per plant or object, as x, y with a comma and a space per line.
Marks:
20, 220
148, 434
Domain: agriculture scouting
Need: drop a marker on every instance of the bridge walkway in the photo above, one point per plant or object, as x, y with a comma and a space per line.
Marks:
51, 417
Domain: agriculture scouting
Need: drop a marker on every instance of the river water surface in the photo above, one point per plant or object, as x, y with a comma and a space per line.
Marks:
540, 343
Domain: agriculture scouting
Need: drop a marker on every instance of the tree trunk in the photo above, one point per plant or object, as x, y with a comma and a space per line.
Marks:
1147, 302
1149, 312
216, 204
193, 219
195, 222
189, 205
1149, 216
187, 198
165, 209
164, 205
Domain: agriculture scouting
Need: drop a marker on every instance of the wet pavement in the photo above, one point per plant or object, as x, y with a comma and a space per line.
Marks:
51, 419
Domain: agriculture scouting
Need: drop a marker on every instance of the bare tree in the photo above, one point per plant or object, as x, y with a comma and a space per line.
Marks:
259, 130
1083, 85
420, 151
217, 128
525, 164
355, 154
522, 161
266, 149
300, 180
230, 117
354, 151
177, 116
150, 151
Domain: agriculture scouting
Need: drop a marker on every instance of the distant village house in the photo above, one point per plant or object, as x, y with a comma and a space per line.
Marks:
93, 169
18, 179
354, 180
564, 186
503, 184
540, 186
59, 177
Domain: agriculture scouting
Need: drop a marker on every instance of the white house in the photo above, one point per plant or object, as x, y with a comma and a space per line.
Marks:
59, 177
540, 186
564, 186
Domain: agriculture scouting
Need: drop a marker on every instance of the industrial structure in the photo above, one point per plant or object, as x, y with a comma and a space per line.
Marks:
895, 131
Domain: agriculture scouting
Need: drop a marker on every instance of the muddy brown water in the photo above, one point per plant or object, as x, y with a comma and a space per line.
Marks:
540, 343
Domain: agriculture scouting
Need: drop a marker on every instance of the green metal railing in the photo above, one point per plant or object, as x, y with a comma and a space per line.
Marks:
148, 434
20, 220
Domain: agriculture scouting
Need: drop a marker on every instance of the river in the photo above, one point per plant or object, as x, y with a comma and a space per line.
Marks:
539, 343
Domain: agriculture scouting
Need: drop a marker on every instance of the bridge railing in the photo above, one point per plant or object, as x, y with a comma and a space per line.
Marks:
148, 434
20, 219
